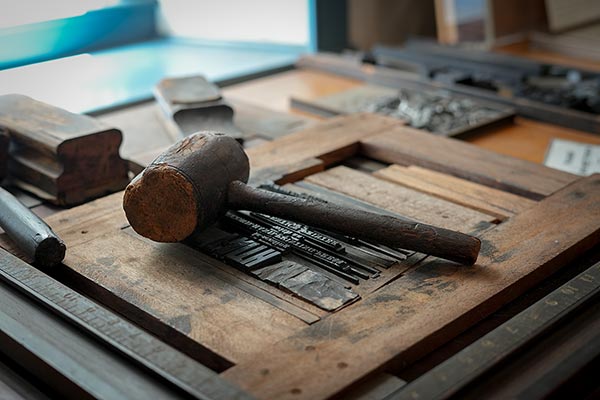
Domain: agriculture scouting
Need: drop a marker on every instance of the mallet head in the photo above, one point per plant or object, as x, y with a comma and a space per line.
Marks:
185, 188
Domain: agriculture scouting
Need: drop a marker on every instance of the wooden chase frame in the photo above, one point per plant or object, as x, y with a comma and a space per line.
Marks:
532, 221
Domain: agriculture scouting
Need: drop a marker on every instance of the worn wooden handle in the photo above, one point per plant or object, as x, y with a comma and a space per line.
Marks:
33, 236
384, 229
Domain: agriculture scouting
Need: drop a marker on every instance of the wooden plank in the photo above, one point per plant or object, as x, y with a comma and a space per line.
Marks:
402, 200
519, 335
527, 139
430, 304
329, 141
407, 146
460, 191
274, 92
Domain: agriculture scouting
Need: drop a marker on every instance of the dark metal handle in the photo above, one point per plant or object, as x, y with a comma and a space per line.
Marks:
33, 236
384, 229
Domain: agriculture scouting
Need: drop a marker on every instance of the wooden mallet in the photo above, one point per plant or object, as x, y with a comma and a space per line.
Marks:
193, 183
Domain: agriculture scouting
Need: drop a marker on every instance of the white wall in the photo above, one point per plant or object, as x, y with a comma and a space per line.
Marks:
275, 21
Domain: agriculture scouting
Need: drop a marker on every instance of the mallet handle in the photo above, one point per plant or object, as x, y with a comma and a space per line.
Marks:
384, 229
33, 236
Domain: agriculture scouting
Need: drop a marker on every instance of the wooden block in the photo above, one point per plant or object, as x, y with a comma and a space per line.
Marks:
407, 146
408, 317
142, 126
404, 201
191, 104
63, 157
460, 191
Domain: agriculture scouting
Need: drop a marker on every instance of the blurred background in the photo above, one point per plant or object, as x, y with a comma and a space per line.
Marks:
90, 55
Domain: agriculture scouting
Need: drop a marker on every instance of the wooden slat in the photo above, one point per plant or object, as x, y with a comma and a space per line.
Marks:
430, 304
404, 201
329, 141
407, 146
460, 191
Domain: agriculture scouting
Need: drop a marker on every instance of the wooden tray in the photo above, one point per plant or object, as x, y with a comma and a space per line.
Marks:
532, 220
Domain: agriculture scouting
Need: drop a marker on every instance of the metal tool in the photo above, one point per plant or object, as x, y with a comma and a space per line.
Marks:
195, 181
33, 236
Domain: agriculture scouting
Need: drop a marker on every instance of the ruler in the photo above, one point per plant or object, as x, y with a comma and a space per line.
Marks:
130, 341
463, 368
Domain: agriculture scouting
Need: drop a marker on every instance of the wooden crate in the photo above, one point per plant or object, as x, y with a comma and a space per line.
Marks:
532, 220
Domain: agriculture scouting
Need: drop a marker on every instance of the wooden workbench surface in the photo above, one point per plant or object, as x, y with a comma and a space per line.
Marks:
275, 345
525, 139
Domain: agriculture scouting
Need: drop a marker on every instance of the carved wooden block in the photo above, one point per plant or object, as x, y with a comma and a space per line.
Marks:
63, 157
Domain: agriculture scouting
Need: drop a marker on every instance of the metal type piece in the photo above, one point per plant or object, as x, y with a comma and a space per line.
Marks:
293, 241
314, 236
307, 284
241, 252
254, 258
562, 95
480, 357
278, 273
32, 235
195, 181
439, 112
323, 291
88, 324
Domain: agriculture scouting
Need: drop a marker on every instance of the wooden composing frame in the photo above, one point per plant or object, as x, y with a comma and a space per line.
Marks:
532, 220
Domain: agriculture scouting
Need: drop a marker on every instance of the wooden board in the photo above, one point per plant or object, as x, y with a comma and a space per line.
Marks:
460, 191
63, 157
407, 146
277, 346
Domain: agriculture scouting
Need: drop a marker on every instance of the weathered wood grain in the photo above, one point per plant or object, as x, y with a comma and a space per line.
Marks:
430, 304
330, 141
63, 157
460, 191
404, 201
407, 146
